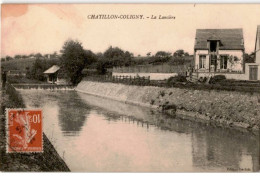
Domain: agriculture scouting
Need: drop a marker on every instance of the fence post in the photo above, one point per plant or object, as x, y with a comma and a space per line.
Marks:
143, 80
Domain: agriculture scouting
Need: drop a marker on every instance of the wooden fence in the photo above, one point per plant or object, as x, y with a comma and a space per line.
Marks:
131, 80
163, 68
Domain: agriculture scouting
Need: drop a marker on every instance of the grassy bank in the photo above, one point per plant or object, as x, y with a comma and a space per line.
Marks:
233, 109
23, 80
49, 160
15, 99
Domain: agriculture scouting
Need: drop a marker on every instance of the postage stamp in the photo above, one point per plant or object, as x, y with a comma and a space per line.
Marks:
24, 130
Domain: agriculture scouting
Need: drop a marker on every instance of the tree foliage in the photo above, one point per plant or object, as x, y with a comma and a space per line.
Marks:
113, 52
113, 57
30, 55
8, 58
250, 58
17, 56
74, 58
163, 54
23, 56
38, 55
180, 53
38, 67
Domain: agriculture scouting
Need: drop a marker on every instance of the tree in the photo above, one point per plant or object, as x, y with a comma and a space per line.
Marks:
23, 56
73, 60
113, 57
55, 53
160, 57
38, 55
17, 56
36, 72
102, 65
99, 55
7, 58
38, 67
128, 54
91, 57
148, 54
250, 58
32, 54
180, 53
113, 52
163, 54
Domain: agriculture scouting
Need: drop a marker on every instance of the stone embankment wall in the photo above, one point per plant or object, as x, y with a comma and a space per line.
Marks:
227, 108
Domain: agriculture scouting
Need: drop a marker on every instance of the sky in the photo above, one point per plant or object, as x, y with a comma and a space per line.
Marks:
44, 28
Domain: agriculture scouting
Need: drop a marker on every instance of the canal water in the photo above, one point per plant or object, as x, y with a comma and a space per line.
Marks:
99, 135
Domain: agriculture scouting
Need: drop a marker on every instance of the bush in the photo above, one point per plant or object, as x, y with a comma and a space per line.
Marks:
173, 80
202, 79
166, 107
217, 78
162, 93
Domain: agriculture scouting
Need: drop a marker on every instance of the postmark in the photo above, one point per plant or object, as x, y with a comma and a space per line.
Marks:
24, 130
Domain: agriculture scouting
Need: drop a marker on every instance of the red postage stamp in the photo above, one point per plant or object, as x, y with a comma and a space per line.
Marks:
24, 130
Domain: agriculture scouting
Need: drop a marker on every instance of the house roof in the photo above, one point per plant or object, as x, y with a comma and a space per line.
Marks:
229, 38
53, 69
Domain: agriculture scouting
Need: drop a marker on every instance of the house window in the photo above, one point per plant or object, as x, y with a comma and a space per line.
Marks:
223, 62
213, 46
202, 61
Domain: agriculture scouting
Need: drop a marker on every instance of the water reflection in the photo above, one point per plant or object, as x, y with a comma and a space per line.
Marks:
95, 134
73, 115
216, 148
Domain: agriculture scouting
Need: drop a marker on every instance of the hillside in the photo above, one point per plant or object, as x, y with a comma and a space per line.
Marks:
20, 64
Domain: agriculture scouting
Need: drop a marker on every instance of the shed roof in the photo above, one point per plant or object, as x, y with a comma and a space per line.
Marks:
229, 38
53, 69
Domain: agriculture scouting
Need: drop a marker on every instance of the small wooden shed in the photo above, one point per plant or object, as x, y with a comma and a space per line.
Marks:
52, 74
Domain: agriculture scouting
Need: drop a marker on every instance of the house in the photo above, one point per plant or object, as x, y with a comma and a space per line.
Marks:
254, 68
54, 75
219, 52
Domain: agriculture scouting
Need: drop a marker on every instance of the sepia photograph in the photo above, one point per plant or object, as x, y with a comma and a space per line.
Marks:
139, 88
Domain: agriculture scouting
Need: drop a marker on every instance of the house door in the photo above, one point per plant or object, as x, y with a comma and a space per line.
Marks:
253, 70
213, 63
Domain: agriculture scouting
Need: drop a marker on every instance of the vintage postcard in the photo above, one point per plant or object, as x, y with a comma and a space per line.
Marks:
130, 88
